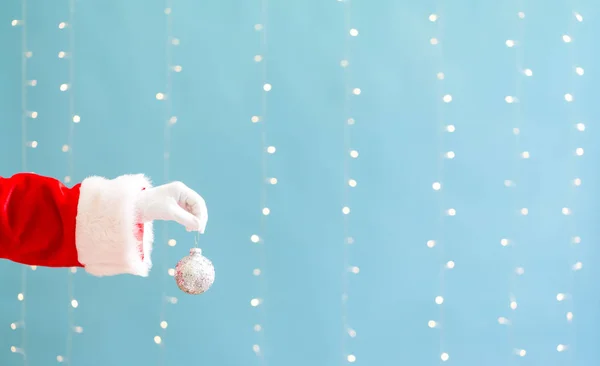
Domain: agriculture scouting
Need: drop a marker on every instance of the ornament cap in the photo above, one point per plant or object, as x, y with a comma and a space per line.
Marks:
195, 251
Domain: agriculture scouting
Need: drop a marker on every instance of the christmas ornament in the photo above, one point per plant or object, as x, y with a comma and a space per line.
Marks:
195, 273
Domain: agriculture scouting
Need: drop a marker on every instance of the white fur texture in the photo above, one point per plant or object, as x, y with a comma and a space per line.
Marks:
106, 224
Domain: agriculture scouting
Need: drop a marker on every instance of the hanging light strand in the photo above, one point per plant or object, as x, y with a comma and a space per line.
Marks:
267, 183
169, 120
69, 149
350, 92
445, 213
22, 296
515, 183
576, 151
25, 145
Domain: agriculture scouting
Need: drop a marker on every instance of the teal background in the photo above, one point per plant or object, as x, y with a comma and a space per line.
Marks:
120, 65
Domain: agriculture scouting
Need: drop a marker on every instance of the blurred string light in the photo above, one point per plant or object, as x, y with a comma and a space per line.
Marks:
566, 302
266, 180
444, 129
169, 121
72, 304
519, 165
26, 144
350, 93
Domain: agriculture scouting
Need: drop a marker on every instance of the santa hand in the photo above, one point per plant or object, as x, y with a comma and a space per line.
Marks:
173, 202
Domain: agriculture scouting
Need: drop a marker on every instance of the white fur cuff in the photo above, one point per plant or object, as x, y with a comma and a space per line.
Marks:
106, 223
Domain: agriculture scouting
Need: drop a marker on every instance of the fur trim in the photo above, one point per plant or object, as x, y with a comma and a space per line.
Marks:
106, 222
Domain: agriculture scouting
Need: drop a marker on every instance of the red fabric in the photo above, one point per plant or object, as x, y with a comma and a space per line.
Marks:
37, 221
139, 236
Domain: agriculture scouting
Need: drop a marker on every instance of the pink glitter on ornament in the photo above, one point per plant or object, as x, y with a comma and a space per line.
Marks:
194, 273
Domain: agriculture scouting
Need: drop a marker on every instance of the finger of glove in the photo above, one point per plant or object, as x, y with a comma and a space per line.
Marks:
195, 205
185, 218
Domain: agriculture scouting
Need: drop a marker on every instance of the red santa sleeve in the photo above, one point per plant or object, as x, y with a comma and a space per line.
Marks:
93, 225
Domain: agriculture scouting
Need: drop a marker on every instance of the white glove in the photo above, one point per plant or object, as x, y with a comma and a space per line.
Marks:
173, 202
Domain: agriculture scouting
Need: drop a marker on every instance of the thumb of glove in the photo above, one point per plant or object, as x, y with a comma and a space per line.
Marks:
185, 218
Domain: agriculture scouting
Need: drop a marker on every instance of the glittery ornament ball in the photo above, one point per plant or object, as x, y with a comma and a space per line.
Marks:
195, 273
